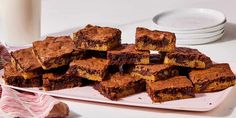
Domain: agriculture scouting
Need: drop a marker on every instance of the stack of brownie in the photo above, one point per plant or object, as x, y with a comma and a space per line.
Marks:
179, 72
104, 55
45, 64
118, 70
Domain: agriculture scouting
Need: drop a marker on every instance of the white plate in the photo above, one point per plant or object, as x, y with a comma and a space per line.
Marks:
212, 29
195, 41
189, 19
202, 102
199, 35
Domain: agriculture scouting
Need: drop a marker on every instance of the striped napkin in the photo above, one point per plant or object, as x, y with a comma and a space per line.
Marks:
30, 105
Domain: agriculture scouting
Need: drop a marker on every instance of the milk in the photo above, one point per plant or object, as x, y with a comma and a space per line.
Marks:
21, 21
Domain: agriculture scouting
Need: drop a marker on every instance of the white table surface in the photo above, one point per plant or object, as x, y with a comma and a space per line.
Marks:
61, 16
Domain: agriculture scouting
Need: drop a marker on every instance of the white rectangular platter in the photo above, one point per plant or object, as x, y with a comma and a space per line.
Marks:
202, 102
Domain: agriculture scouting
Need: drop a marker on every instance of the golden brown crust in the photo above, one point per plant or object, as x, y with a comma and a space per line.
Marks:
213, 73
215, 78
53, 76
118, 79
91, 63
146, 39
53, 47
120, 85
54, 52
10, 70
152, 68
128, 48
97, 38
28, 64
154, 72
15, 78
178, 87
174, 82
97, 33
55, 81
127, 54
187, 57
154, 34
94, 69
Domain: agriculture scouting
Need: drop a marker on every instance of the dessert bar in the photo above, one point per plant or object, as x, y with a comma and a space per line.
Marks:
56, 81
146, 39
54, 52
178, 87
154, 72
25, 62
126, 54
97, 38
120, 85
215, 78
94, 69
187, 57
13, 77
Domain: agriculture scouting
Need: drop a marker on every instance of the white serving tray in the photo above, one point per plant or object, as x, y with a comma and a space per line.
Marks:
202, 102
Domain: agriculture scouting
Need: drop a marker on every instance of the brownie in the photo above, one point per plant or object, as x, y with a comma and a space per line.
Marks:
215, 78
154, 72
94, 69
54, 52
120, 85
126, 54
178, 87
187, 57
56, 81
25, 62
146, 39
97, 38
13, 77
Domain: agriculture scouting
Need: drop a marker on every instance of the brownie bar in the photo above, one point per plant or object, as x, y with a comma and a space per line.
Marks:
187, 57
126, 54
154, 72
13, 77
56, 81
97, 38
120, 85
178, 87
25, 62
146, 39
54, 52
215, 78
94, 69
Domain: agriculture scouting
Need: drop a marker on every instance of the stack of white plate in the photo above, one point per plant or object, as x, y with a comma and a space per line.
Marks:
192, 25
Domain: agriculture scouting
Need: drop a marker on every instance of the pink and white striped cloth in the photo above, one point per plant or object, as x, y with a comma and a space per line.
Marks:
25, 105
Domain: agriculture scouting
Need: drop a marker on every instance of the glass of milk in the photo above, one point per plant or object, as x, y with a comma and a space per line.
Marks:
21, 21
